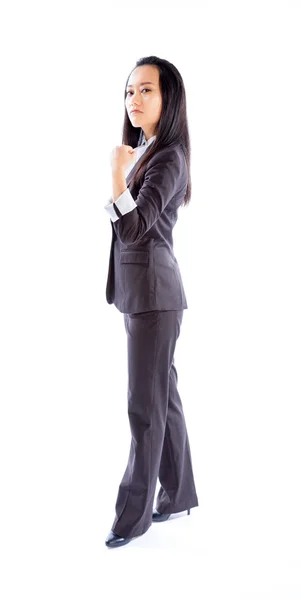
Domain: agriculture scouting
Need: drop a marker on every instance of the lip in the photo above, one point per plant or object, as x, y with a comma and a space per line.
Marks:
135, 111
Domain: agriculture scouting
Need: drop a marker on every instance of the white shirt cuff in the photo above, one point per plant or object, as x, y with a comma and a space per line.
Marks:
125, 203
110, 209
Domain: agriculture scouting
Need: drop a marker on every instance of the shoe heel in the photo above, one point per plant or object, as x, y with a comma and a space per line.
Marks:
188, 511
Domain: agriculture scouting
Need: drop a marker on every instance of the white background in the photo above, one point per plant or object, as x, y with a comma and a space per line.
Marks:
64, 436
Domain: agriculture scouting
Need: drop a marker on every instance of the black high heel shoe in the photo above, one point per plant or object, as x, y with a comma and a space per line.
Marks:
114, 541
158, 517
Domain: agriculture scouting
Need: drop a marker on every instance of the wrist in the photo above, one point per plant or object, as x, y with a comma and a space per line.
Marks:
118, 170
118, 182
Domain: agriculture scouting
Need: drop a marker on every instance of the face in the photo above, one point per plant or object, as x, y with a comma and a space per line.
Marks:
143, 92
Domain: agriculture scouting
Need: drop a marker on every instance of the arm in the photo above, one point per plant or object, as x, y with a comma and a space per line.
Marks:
165, 175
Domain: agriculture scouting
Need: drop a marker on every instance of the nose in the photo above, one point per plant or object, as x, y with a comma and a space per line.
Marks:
134, 101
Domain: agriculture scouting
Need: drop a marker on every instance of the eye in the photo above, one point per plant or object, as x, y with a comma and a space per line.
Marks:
148, 90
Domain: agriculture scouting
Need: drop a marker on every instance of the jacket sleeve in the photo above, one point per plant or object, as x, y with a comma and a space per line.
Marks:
163, 178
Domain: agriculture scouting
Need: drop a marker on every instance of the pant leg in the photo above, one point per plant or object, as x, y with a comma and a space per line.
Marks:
177, 491
151, 341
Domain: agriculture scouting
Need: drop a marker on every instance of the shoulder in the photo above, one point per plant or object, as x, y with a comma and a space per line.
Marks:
173, 153
168, 159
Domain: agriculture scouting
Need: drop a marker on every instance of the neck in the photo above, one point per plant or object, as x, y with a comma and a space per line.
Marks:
148, 135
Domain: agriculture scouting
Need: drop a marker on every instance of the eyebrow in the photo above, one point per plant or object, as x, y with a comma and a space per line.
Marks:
142, 83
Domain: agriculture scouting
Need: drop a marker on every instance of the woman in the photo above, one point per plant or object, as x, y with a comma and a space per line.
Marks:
150, 180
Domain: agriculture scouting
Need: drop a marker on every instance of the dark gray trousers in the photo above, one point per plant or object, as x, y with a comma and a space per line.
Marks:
159, 442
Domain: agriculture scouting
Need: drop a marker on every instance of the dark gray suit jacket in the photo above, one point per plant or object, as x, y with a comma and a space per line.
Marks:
143, 273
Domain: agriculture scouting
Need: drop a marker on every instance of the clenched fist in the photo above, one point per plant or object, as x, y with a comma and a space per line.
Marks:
121, 157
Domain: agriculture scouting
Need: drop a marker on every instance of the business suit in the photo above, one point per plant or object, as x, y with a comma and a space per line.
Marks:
143, 271
144, 282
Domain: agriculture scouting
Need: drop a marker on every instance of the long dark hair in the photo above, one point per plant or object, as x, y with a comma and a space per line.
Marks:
172, 126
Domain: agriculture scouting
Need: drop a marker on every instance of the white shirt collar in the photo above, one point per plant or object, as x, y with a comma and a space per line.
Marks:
147, 142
